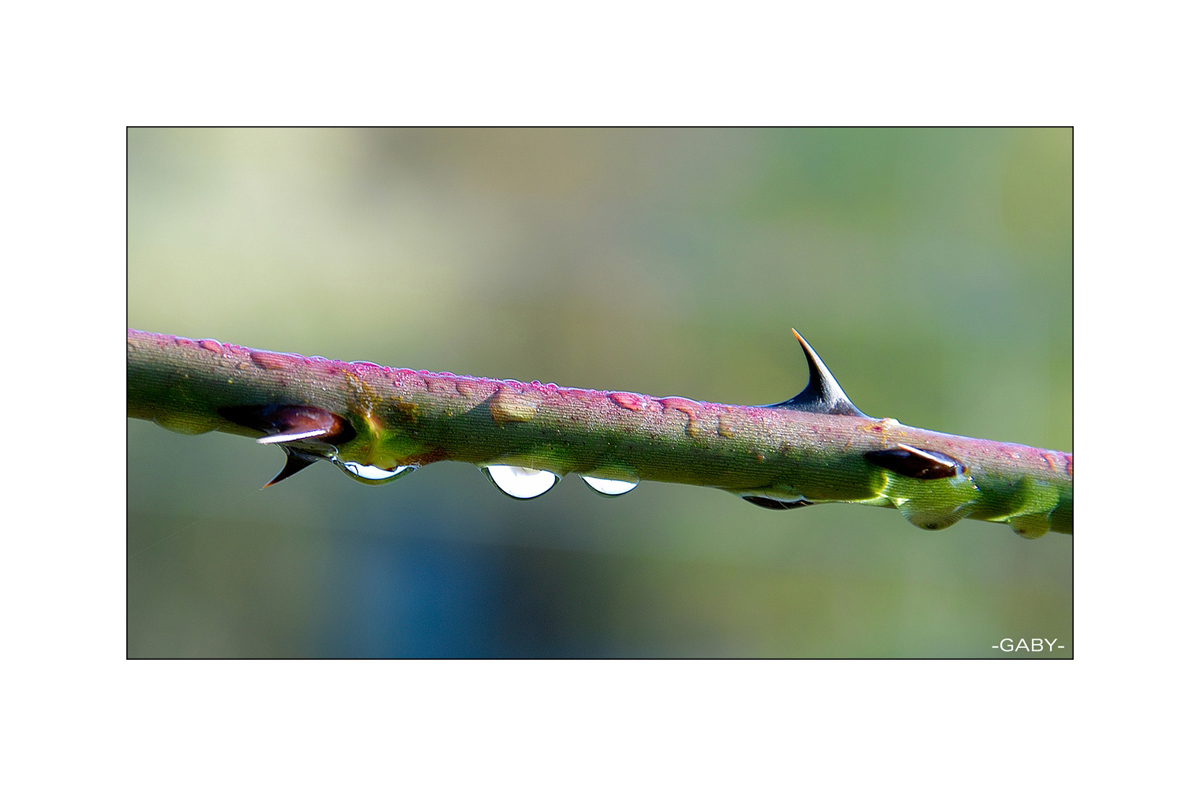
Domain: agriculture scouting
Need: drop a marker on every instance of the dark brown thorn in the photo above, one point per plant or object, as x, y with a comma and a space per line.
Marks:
295, 462
291, 423
292, 436
915, 463
778, 504
823, 395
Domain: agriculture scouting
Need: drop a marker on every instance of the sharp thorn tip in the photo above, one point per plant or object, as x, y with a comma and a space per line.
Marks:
294, 463
822, 395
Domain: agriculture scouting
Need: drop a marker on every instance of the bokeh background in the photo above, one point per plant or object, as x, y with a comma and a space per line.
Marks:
931, 268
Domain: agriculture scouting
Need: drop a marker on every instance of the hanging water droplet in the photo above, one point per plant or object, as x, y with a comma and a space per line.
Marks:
1033, 503
520, 482
1031, 526
932, 519
930, 503
609, 488
370, 474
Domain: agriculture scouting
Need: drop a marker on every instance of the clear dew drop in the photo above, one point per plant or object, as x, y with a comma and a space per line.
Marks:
520, 482
370, 474
609, 488
932, 519
931, 512
1030, 527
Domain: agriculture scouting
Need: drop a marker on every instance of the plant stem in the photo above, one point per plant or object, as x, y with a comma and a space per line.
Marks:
776, 456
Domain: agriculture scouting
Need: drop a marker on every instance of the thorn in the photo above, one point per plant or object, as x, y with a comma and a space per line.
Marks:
823, 395
777, 504
288, 423
295, 462
291, 436
915, 463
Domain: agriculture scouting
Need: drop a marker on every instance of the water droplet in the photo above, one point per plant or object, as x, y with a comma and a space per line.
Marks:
520, 482
1032, 526
370, 474
930, 504
932, 519
609, 488
1032, 502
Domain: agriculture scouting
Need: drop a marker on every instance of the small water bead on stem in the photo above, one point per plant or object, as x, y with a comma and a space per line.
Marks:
1033, 503
372, 475
930, 504
1032, 526
933, 518
520, 482
608, 487
931, 489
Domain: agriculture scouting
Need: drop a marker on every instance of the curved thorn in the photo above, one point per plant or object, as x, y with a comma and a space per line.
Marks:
915, 463
295, 462
291, 423
292, 436
778, 504
823, 395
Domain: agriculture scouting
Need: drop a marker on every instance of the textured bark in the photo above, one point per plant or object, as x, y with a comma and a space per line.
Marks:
779, 456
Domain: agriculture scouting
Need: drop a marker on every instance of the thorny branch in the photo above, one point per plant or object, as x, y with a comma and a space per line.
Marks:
379, 423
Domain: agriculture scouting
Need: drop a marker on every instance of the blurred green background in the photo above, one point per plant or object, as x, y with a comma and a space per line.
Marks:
931, 268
